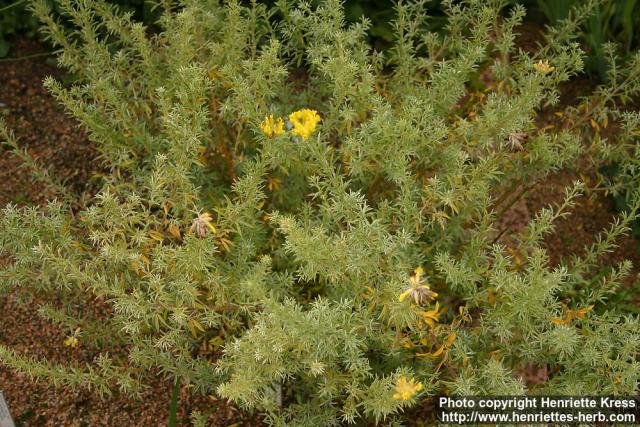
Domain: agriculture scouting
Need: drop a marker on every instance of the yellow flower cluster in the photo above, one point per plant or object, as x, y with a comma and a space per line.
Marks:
71, 342
272, 127
303, 124
543, 66
406, 389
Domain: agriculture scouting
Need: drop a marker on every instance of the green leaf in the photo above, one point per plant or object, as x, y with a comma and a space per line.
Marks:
4, 47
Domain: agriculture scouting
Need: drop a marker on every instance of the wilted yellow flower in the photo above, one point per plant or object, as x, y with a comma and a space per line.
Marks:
451, 339
273, 183
570, 314
304, 122
440, 350
432, 316
405, 390
543, 66
71, 342
419, 290
200, 225
517, 140
272, 126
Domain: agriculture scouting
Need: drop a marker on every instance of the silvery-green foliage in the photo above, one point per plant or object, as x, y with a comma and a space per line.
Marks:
290, 254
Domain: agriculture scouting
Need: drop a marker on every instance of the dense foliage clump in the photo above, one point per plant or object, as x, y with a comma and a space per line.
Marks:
306, 226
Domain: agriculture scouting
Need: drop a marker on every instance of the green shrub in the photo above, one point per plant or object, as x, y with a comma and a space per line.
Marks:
347, 266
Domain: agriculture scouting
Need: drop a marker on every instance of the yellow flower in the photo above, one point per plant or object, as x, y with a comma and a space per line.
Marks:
543, 66
272, 126
405, 390
71, 342
419, 290
304, 122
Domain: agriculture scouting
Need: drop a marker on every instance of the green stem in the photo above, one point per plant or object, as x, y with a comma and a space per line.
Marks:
12, 5
35, 55
173, 407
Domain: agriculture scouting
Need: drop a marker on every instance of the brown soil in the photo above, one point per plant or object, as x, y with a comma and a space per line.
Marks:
37, 403
41, 127
591, 216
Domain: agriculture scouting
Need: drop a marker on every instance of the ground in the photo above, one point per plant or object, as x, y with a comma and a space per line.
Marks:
50, 135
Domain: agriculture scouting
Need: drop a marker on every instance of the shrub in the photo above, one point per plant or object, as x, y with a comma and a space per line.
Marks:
326, 213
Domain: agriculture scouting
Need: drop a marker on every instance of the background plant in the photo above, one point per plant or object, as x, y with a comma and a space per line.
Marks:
17, 19
14, 19
611, 21
297, 272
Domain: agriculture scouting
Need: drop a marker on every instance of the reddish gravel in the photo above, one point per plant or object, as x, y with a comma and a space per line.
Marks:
40, 126
37, 403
